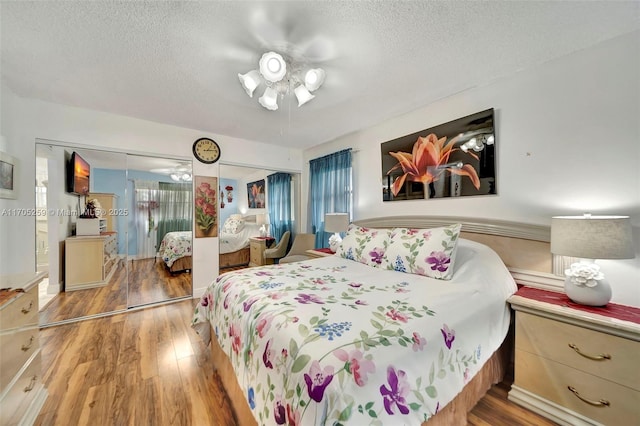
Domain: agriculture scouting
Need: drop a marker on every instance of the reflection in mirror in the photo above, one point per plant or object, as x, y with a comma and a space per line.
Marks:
83, 250
159, 201
240, 220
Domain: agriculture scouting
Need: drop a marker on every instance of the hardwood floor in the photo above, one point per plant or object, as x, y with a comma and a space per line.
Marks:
148, 367
148, 282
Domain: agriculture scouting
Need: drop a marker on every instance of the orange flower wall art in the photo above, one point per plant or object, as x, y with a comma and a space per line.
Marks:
435, 167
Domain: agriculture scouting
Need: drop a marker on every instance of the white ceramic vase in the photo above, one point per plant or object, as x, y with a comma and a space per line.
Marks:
598, 295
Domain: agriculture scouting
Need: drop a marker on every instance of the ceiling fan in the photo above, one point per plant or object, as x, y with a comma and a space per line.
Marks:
179, 173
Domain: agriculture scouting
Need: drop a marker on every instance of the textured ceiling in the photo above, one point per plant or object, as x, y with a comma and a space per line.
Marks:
177, 62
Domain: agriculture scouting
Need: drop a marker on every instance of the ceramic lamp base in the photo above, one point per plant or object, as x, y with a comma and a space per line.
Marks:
334, 242
598, 295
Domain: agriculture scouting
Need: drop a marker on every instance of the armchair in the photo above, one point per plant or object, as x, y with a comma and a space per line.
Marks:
279, 250
301, 243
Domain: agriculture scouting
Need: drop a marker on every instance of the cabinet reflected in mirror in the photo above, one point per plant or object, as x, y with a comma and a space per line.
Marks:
87, 240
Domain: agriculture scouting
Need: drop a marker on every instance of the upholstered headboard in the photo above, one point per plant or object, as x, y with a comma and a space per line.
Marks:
521, 246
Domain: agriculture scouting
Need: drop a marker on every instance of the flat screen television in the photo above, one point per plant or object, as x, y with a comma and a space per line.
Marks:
78, 175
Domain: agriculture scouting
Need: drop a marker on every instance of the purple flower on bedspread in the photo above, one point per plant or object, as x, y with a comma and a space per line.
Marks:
246, 305
356, 364
439, 260
207, 300
251, 398
355, 285
234, 335
396, 392
361, 302
418, 342
263, 274
264, 323
225, 304
266, 356
426, 235
397, 316
279, 413
449, 335
305, 299
376, 255
317, 380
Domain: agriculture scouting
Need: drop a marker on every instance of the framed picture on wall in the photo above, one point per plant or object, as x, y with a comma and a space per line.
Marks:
206, 206
255, 193
453, 159
8, 175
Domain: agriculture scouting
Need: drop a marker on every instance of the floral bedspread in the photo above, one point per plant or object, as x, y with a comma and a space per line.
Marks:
333, 341
175, 245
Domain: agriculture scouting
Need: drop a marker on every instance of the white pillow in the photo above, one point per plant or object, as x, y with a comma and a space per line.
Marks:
430, 252
364, 245
233, 225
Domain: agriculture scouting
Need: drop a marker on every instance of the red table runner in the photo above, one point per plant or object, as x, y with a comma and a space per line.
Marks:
613, 310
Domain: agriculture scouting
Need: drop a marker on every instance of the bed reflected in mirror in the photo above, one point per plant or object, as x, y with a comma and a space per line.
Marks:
160, 202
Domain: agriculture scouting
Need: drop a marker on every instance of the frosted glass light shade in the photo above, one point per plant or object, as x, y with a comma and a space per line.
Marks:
273, 67
250, 81
592, 237
303, 95
314, 78
269, 99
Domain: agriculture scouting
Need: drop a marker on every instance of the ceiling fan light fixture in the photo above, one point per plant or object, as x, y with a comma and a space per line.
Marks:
269, 99
273, 67
250, 81
303, 95
314, 78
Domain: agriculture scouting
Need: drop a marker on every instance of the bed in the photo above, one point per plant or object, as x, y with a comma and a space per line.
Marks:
337, 340
175, 251
234, 240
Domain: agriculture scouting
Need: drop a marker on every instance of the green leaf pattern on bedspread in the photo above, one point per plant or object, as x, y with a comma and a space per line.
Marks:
311, 345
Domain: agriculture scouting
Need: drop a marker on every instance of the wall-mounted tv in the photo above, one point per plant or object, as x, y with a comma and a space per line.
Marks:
78, 175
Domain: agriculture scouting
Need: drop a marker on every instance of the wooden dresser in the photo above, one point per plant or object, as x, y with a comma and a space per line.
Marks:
576, 365
90, 260
22, 392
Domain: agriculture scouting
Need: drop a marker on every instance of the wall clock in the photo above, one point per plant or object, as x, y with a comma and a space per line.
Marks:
206, 150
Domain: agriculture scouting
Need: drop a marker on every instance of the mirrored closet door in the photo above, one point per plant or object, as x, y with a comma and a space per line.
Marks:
99, 241
160, 206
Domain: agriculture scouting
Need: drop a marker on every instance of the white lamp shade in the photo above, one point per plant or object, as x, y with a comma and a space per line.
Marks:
303, 95
336, 222
261, 219
250, 81
314, 78
269, 99
273, 67
592, 237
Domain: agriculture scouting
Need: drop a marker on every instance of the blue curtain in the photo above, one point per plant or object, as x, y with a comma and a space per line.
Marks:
279, 204
330, 192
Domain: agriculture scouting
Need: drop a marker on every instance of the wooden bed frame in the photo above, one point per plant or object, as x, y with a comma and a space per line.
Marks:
521, 247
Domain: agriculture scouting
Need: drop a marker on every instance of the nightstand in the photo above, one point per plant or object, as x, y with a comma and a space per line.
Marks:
257, 246
575, 364
321, 252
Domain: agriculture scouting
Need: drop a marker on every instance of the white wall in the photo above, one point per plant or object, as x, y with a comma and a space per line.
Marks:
24, 120
567, 138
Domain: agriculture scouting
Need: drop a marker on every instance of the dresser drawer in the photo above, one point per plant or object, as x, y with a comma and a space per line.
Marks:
15, 349
550, 380
18, 399
256, 253
21, 312
552, 339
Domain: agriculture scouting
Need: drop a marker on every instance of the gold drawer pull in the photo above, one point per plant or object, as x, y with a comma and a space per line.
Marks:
28, 309
32, 384
598, 403
26, 347
600, 357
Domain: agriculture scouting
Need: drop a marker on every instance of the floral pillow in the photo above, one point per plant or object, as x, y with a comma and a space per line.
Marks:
233, 225
429, 252
364, 245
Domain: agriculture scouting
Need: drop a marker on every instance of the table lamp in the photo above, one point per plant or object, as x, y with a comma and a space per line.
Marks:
588, 238
261, 219
335, 222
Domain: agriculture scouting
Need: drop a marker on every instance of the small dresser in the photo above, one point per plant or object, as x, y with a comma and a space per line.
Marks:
90, 260
574, 364
22, 392
257, 246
